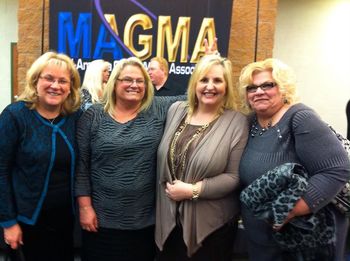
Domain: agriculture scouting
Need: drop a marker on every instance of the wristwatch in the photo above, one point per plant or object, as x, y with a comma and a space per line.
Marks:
195, 192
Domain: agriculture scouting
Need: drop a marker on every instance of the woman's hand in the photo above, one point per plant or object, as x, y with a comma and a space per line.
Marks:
300, 209
180, 190
212, 49
13, 236
88, 218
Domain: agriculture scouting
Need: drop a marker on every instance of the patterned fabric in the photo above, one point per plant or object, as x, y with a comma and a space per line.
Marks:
272, 196
342, 199
27, 156
86, 100
117, 164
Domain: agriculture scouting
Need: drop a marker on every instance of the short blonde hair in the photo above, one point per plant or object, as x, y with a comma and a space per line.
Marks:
93, 79
282, 74
163, 64
202, 68
109, 94
30, 95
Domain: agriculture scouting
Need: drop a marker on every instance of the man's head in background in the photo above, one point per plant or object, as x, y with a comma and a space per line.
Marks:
158, 70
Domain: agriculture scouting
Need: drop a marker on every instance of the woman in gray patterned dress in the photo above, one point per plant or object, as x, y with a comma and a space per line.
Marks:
116, 173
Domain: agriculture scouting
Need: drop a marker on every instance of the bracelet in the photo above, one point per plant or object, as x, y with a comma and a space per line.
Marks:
195, 192
85, 207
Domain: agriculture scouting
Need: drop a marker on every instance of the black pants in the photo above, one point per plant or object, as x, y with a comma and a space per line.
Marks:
217, 246
118, 245
50, 239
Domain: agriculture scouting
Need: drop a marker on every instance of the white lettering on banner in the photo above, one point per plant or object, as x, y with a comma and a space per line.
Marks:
183, 70
82, 65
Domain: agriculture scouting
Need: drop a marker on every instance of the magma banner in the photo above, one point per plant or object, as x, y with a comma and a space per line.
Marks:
113, 29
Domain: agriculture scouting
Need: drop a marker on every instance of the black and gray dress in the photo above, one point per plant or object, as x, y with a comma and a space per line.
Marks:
117, 169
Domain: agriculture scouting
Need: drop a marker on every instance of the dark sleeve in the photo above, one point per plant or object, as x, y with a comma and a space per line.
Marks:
324, 157
9, 134
83, 136
163, 103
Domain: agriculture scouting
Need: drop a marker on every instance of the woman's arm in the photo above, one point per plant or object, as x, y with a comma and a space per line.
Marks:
9, 134
224, 183
83, 137
8, 144
321, 153
87, 214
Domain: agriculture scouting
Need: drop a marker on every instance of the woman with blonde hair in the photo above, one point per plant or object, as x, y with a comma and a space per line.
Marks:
285, 131
116, 174
95, 79
37, 161
198, 159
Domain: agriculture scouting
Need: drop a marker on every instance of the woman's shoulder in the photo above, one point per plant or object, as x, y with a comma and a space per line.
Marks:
17, 109
96, 108
234, 115
16, 106
179, 104
94, 111
301, 112
298, 108
302, 115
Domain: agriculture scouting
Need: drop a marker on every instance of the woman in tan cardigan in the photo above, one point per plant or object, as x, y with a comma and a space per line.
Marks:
198, 158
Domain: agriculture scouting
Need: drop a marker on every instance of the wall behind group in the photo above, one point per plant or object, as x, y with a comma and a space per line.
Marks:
8, 35
243, 45
313, 38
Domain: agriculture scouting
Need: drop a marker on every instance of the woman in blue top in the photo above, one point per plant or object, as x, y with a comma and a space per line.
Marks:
116, 174
37, 161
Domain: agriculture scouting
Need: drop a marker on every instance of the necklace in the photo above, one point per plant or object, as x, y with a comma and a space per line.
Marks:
255, 129
52, 121
179, 160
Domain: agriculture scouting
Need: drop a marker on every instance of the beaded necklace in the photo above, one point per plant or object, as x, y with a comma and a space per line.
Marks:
180, 159
255, 129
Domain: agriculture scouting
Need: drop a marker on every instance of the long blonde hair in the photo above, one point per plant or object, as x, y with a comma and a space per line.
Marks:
93, 79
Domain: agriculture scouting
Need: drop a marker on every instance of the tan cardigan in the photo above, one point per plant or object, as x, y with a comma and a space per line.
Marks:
215, 161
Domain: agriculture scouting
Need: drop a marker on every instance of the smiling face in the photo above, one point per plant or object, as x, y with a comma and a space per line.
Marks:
211, 88
53, 87
266, 102
132, 92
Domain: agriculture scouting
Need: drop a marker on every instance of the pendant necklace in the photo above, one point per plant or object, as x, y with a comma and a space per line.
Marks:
52, 121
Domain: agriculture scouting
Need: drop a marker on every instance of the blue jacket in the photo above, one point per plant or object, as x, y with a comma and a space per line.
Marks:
27, 155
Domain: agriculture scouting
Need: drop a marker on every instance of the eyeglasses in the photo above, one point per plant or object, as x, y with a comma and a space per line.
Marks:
264, 86
130, 81
51, 80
